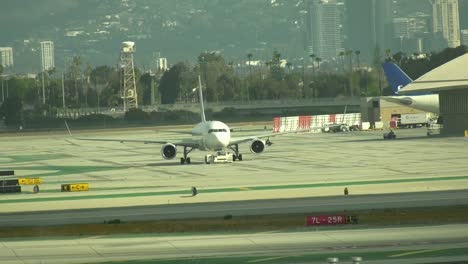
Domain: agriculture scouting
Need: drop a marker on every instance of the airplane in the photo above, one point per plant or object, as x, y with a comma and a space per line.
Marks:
206, 136
398, 79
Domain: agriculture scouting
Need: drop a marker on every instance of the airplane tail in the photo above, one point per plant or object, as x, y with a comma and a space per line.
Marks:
202, 108
396, 76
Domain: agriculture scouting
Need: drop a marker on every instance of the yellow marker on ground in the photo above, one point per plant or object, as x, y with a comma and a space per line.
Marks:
75, 187
32, 181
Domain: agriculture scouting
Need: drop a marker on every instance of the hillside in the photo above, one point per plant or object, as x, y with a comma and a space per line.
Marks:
179, 29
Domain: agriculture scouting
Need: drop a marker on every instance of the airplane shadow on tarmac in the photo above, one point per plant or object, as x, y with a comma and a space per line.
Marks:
170, 164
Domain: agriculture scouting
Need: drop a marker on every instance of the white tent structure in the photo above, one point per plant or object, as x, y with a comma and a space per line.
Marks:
450, 81
449, 76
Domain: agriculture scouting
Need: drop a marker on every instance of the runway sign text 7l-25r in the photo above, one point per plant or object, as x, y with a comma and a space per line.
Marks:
314, 220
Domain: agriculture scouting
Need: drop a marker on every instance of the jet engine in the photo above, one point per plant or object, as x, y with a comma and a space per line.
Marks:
168, 151
257, 146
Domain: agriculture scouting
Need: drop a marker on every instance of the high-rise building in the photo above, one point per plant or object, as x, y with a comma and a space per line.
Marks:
368, 25
6, 56
158, 63
445, 17
401, 27
411, 34
464, 37
383, 18
162, 65
47, 55
326, 23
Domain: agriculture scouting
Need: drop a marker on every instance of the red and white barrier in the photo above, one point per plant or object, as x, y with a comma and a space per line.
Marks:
313, 123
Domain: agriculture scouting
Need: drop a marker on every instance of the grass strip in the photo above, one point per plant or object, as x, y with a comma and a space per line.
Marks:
229, 223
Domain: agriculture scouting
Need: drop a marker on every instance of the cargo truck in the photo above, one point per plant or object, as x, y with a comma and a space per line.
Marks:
414, 120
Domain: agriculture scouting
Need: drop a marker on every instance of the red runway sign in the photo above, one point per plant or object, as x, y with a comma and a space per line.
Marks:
326, 220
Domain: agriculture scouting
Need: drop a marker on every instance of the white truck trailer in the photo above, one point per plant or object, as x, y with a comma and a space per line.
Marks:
414, 120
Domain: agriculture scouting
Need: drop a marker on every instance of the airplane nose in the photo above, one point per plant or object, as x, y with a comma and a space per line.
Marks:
219, 141
222, 139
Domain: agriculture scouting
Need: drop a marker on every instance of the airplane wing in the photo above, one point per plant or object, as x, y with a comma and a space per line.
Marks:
399, 100
176, 132
184, 143
237, 140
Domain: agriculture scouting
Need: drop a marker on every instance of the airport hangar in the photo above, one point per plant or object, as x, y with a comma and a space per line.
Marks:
450, 81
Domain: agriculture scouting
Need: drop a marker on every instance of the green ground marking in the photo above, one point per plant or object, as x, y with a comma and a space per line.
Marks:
30, 158
304, 258
223, 190
335, 184
65, 170
103, 189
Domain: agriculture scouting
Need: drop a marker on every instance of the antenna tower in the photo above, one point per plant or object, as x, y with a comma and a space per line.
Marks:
129, 96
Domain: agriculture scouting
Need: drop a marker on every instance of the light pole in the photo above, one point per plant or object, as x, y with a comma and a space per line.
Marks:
63, 91
43, 89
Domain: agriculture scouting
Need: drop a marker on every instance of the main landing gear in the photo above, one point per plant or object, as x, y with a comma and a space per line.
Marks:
237, 155
186, 159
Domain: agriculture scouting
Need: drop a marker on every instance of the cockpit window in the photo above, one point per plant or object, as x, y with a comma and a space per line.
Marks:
217, 130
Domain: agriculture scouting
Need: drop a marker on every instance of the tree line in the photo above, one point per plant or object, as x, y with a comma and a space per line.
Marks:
82, 86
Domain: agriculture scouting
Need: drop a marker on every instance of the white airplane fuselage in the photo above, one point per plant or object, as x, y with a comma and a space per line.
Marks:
212, 135
426, 103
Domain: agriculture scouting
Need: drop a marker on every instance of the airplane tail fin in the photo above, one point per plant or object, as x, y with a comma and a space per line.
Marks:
396, 76
200, 92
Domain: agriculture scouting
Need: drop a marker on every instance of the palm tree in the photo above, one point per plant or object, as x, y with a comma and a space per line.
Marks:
358, 52
318, 60
312, 58
387, 53
75, 69
341, 55
289, 65
349, 53
1, 80
249, 57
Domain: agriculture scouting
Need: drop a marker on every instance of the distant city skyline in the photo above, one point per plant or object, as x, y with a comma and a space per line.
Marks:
234, 28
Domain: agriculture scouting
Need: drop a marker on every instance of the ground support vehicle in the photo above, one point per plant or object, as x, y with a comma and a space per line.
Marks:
220, 157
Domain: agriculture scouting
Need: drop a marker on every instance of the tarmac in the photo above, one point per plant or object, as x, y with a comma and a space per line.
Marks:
296, 165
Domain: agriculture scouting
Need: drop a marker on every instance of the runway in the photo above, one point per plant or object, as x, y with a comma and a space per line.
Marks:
235, 208
382, 245
296, 166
